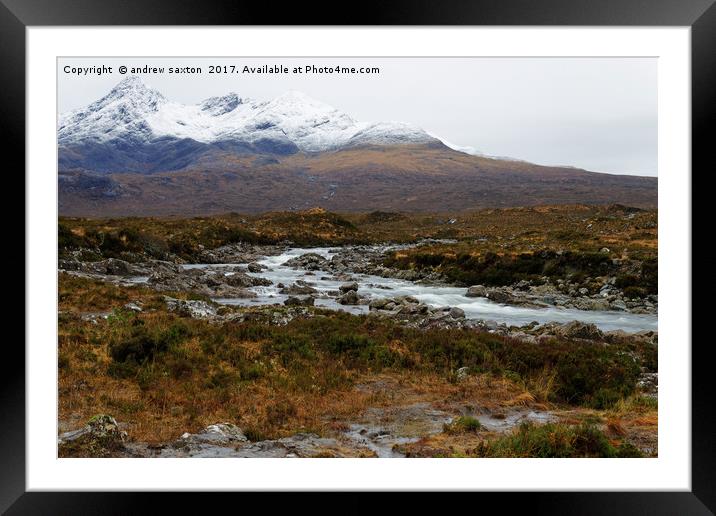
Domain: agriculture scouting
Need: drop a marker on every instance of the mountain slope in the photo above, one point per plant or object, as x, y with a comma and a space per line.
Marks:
398, 178
133, 152
136, 127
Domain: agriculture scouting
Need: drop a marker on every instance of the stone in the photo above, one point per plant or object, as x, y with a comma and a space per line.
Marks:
255, 267
117, 267
134, 307
190, 307
300, 301
457, 313
476, 291
580, 330
618, 304
498, 296
101, 431
378, 304
462, 373
349, 298
347, 287
218, 433
299, 290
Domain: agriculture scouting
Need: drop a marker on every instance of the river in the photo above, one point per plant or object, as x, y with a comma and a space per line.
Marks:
437, 296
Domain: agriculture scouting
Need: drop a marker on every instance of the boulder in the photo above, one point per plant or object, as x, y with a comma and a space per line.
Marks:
499, 296
218, 433
300, 301
347, 287
476, 291
255, 267
298, 290
349, 298
457, 313
580, 330
100, 437
190, 307
379, 303
618, 304
238, 279
117, 267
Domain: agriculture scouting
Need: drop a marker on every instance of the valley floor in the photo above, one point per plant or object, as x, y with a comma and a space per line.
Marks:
263, 353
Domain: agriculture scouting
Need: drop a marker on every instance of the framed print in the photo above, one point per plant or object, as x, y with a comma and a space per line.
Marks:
433, 251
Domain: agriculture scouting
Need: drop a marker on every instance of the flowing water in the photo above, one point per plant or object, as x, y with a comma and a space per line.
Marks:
437, 296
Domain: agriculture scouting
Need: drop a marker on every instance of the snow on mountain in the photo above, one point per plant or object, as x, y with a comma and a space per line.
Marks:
135, 113
121, 113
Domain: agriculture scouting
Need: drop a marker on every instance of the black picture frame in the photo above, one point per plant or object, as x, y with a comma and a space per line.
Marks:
17, 15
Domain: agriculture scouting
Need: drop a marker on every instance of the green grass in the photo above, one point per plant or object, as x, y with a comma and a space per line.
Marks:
554, 440
461, 425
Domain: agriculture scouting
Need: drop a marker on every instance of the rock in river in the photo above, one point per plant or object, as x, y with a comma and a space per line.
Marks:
300, 301
476, 291
349, 298
347, 287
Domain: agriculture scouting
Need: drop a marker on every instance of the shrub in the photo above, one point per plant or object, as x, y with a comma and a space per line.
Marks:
554, 440
496, 270
142, 344
462, 424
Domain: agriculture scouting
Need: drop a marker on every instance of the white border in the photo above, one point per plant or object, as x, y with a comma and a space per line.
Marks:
671, 471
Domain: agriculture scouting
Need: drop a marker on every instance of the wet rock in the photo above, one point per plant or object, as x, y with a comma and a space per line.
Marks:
351, 297
499, 296
227, 291
347, 287
298, 290
618, 304
309, 261
300, 301
476, 291
255, 267
457, 313
240, 279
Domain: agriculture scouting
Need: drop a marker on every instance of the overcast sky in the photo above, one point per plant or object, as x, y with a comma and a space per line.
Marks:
594, 113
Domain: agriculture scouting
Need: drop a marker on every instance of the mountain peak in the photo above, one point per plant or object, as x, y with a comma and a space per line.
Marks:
221, 105
133, 90
293, 121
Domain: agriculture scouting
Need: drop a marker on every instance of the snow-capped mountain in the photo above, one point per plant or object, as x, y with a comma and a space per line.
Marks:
135, 115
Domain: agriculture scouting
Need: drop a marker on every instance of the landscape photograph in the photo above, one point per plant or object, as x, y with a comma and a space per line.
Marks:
357, 257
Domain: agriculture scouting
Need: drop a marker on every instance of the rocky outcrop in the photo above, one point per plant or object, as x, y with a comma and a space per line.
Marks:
191, 308
100, 437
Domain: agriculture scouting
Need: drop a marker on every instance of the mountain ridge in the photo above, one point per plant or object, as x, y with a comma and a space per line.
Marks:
133, 152
133, 118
